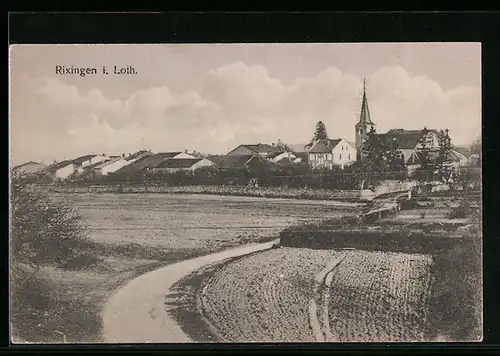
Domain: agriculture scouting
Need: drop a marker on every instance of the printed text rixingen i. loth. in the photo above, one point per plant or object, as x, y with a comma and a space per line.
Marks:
84, 71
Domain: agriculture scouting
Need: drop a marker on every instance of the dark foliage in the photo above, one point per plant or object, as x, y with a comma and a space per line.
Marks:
42, 231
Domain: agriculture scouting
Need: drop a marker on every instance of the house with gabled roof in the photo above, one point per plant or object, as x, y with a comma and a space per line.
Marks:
251, 161
287, 157
109, 165
328, 153
261, 149
30, 167
59, 170
149, 162
84, 161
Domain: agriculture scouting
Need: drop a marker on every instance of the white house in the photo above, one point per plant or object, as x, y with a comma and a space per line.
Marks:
327, 153
110, 165
278, 156
84, 161
179, 164
59, 170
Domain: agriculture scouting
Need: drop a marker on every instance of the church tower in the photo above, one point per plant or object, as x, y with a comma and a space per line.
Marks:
365, 123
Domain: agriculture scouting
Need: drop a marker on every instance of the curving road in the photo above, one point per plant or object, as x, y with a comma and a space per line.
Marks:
136, 313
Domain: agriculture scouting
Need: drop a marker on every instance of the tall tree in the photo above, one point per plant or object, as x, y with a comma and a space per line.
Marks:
367, 170
443, 158
425, 172
394, 163
320, 132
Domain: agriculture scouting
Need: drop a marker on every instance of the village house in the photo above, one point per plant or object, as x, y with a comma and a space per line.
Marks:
250, 161
109, 165
286, 156
81, 162
30, 167
327, 153
182, 164
261, 149
149, 161
59, 170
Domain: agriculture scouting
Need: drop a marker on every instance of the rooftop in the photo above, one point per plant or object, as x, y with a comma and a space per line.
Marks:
178, 163
325, 145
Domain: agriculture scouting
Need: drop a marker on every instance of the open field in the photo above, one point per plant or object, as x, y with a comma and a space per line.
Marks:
131, 234
305, 295
183, 221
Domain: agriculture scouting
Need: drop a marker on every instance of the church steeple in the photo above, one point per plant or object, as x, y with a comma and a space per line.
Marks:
365, 123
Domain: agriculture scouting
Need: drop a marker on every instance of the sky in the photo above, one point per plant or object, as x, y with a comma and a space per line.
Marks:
213, 97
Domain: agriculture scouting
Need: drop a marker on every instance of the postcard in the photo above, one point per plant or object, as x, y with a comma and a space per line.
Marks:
245, 193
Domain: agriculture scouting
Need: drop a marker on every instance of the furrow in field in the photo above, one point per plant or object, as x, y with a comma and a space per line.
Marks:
272, 301
379, 296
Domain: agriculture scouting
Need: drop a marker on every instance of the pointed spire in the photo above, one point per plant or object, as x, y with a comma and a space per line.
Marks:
364, 117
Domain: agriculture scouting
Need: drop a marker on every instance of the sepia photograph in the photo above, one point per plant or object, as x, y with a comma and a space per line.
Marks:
245, 193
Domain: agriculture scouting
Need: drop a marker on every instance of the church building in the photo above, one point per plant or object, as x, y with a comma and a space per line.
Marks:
406, 141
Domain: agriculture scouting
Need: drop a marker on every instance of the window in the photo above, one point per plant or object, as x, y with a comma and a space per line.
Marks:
340, 156
349, 157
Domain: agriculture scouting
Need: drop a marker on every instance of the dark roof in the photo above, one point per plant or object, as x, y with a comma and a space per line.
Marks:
178, 163
93, 165
138, 154
324, 145
82, 159
228, 162
27, 163
302, 155
404, 139
263, 148
57, 165
146, 162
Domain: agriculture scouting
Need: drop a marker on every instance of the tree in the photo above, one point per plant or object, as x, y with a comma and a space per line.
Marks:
367, 170
443, 158
394, 163
425, 171
43, 231
320, 132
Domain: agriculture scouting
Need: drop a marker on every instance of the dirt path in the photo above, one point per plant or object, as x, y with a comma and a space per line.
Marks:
136, 313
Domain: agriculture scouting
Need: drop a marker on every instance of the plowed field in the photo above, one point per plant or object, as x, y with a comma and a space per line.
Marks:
305, 295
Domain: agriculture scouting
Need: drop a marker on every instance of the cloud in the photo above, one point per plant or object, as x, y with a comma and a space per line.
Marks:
230, 105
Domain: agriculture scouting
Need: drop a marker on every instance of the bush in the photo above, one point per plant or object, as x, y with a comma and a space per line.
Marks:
42, 231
